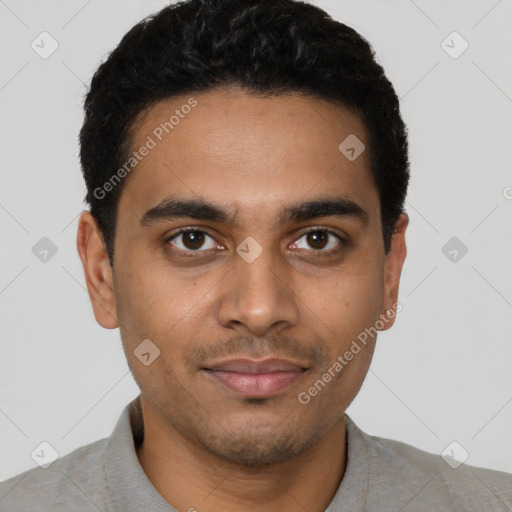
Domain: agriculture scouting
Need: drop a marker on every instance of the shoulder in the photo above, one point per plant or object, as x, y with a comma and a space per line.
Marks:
74, 482
417, 480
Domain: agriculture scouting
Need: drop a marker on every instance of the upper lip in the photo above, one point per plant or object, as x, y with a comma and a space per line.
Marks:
255, 366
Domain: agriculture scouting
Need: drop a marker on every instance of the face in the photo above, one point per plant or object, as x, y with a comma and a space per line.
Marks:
280, 270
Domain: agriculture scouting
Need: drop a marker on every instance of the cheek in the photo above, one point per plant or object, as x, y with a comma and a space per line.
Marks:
161, 303
346, 302
345, 312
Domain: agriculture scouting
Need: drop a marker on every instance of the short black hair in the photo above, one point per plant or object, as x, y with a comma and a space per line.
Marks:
268, 47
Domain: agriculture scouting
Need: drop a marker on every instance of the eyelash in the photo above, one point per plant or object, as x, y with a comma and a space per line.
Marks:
311, 230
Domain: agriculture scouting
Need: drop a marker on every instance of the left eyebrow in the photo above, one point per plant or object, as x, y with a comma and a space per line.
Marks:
339, 206
200, 209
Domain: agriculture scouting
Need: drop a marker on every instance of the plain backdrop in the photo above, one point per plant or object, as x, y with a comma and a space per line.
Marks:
441, 374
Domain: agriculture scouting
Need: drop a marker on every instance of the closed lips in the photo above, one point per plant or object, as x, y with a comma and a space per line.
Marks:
248, 366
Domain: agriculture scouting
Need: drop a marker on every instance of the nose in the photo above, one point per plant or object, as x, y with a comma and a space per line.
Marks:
257, 296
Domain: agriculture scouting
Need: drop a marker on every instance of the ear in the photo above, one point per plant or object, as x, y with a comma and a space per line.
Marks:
393, 264
97, 269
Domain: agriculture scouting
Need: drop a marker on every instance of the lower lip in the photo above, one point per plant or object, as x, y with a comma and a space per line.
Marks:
255, 385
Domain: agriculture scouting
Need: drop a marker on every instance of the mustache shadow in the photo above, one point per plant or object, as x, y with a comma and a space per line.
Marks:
274, 345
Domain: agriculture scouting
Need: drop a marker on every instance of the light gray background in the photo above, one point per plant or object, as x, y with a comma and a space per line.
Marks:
442, 373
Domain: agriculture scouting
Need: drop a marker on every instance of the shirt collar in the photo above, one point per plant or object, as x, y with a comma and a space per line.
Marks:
130, 488
353, 491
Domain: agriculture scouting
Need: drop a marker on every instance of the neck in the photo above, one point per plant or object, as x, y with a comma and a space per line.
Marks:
192, 479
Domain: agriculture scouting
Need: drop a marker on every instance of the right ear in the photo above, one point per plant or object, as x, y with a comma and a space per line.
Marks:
98, 272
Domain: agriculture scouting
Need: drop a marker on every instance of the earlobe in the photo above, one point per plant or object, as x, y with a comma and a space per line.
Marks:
97, 270
394, 261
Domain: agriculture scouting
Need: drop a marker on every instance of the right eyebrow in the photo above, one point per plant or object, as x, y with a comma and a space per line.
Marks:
171, 208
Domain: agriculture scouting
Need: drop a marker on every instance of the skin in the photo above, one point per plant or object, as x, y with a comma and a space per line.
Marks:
206, 448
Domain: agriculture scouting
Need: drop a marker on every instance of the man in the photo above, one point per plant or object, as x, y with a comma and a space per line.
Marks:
246, 167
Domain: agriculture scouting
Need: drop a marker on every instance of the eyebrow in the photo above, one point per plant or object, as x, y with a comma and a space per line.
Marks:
172, 208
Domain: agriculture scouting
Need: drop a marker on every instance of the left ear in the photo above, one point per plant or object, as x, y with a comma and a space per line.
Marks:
393, 264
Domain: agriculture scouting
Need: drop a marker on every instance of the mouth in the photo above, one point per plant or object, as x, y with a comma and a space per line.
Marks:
255, 378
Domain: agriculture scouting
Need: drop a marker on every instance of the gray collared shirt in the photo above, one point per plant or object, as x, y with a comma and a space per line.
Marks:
381, 475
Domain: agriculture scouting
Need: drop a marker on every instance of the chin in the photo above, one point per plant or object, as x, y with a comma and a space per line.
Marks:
263, 447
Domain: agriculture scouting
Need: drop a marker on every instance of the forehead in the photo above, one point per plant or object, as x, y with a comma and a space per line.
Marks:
246, 151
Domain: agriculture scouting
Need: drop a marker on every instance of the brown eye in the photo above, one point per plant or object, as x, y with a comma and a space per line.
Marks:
321, 240
195, 240
317, 239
